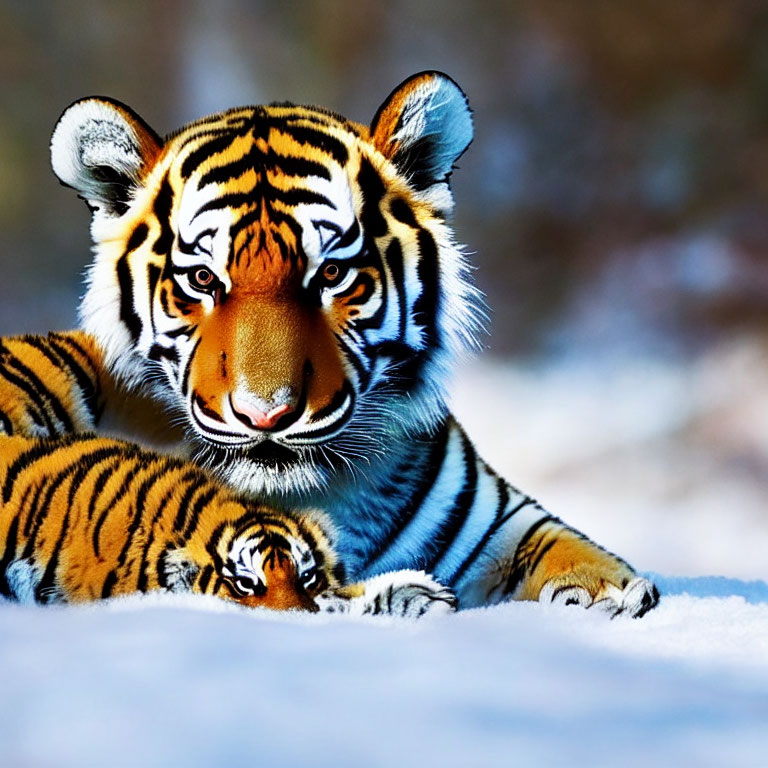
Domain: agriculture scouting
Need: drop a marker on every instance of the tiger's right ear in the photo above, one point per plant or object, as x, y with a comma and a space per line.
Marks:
104, 150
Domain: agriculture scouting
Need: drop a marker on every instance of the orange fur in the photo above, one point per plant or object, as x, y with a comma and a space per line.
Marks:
89, 517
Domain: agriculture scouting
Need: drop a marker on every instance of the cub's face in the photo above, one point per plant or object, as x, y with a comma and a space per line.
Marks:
281, 276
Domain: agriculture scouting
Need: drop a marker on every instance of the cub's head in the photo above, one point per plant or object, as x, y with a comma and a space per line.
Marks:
283, 277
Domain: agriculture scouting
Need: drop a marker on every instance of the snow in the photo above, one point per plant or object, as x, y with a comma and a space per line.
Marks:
166, 681
169, 680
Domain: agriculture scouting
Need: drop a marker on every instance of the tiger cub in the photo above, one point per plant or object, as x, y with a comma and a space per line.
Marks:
85, 517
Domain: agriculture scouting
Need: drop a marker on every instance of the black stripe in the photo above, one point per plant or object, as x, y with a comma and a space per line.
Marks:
45, 590
213, 147
159, 352
350, 354
35, 406
153, 275
43, 348
188, 368
519, 567
9, 554
492, 530
89, 387
317, 138
137, 509
455, 519
195, 481
109, 584
502, 493
430, 471
33, 518
54, 403
20, 463
230, 200
205, 577
98, 487
373, 189
201, 502
300, 196
128, 313
162, 209
394, 260
400, 209
427, 305
250, 161
40, 513
292, 165
334, 404
118, 495
543, 549
76, 482
141, 584
67, 341
212, 546
5, 424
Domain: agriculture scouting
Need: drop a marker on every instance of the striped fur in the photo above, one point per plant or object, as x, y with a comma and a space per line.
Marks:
285, 283
86, 517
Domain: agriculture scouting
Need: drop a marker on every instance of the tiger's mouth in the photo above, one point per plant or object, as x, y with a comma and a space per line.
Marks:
268, 453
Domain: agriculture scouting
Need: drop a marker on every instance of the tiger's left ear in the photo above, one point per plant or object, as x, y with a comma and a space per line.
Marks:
104, 150
423, 128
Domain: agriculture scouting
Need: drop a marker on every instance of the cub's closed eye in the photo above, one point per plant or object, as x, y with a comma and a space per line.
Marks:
201, 278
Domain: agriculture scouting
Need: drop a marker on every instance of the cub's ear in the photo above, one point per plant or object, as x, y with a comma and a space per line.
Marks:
104, 150
423, 128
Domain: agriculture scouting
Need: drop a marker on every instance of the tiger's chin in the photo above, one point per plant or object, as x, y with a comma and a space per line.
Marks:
266, 469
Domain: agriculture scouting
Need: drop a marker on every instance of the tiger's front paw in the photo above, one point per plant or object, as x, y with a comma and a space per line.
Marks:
405, 594
635, 600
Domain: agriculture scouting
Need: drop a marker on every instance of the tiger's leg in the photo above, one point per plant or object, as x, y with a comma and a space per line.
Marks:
556, 564
50, 385
492, 543
553, 563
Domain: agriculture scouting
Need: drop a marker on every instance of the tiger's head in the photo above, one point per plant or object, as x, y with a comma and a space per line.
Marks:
282, 276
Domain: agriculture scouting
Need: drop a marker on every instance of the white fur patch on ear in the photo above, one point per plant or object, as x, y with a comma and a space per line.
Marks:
424, 127
103, 150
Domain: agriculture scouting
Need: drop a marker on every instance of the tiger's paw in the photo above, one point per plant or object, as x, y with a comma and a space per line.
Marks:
404, 594
635, 600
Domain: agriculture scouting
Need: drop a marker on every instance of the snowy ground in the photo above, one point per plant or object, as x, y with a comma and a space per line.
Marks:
663, 473
187, 683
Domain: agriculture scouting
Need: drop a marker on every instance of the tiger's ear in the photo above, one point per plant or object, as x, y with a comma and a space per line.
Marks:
104, 150
423, 128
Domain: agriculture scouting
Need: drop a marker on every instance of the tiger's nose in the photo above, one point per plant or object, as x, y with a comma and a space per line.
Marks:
253, 416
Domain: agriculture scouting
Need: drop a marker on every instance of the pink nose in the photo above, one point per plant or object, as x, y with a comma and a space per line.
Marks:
254, 416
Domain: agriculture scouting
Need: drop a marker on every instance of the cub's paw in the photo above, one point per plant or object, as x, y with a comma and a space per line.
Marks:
635, 600
405, 594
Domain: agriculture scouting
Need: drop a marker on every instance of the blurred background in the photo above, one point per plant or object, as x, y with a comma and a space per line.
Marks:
614, 201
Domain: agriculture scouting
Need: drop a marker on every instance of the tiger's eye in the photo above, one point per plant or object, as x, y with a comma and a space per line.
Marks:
331, 272
202, 278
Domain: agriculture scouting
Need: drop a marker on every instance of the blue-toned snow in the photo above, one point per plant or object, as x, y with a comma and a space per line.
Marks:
192, 682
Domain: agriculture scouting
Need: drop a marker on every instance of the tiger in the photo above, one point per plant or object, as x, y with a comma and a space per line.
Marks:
85, 517
284, 285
